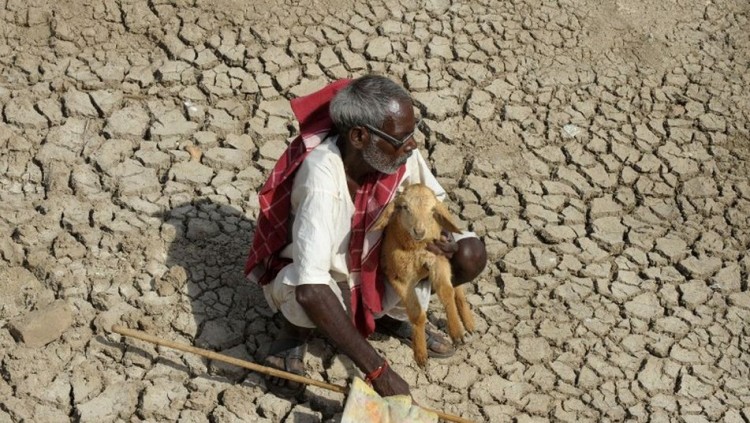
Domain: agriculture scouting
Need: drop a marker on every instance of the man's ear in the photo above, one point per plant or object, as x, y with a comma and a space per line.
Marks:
384, 218
358, 137
445, 219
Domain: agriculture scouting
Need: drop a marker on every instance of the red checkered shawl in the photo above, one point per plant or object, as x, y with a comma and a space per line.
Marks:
271, 233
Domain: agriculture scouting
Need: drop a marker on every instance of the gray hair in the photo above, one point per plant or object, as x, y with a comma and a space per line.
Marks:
365, 101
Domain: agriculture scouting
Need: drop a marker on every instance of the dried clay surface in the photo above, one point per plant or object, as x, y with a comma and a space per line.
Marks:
599, 148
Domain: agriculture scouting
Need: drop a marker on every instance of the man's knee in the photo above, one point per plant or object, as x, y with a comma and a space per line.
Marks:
307, 294
469, 261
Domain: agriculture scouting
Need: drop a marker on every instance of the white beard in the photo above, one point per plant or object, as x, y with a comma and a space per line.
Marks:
379, 161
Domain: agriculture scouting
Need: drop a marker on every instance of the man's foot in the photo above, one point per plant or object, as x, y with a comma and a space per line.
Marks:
287, 353
438, 344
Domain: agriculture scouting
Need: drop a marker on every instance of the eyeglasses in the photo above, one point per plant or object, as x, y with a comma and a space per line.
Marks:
396, 143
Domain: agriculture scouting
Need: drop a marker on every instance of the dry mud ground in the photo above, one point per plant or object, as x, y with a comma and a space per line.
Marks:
599, 148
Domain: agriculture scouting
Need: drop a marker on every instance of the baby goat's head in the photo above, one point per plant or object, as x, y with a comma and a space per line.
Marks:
419, 213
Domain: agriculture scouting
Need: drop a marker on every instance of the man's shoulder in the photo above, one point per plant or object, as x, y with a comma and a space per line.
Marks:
415, 165
418, 172
327, 148
323, 159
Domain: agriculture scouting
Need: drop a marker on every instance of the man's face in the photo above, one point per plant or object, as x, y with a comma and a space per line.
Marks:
382, 154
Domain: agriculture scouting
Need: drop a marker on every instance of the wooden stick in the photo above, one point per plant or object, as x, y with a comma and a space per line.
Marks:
227, 359
254, 367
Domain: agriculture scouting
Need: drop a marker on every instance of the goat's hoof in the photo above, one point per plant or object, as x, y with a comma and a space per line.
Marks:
421, 360
458, 338
466, 338
469, 337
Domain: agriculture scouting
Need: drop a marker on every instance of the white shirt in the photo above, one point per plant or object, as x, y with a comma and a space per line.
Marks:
322, 210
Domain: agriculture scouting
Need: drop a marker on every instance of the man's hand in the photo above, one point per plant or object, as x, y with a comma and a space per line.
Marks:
390, 383
445, 246
325, 310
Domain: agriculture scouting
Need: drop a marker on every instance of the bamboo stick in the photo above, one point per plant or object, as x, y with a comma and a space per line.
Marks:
227, 359
254, 367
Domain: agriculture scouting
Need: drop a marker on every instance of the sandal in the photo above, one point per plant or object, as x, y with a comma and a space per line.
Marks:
438, 344
290, 351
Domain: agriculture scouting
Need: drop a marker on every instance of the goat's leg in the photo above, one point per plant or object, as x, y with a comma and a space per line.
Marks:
463, 309
418, 319
416, 316
440, 277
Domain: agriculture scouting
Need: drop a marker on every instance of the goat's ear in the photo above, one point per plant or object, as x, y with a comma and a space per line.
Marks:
384, 218
445, 219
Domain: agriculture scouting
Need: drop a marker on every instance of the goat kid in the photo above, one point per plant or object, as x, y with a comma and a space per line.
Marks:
412, 221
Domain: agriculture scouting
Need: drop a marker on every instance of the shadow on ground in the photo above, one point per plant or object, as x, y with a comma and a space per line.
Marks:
206, 258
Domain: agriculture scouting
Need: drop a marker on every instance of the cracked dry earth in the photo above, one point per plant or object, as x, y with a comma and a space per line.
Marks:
599, 148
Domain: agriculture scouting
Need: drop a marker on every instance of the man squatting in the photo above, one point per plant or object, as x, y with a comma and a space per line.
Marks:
312, 251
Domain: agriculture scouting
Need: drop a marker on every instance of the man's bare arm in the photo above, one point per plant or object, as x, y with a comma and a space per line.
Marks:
325, 310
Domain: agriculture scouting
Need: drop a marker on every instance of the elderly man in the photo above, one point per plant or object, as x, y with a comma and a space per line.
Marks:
312, 250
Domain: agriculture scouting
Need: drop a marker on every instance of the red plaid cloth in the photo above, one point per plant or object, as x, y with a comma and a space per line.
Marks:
364, 247
271, 233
